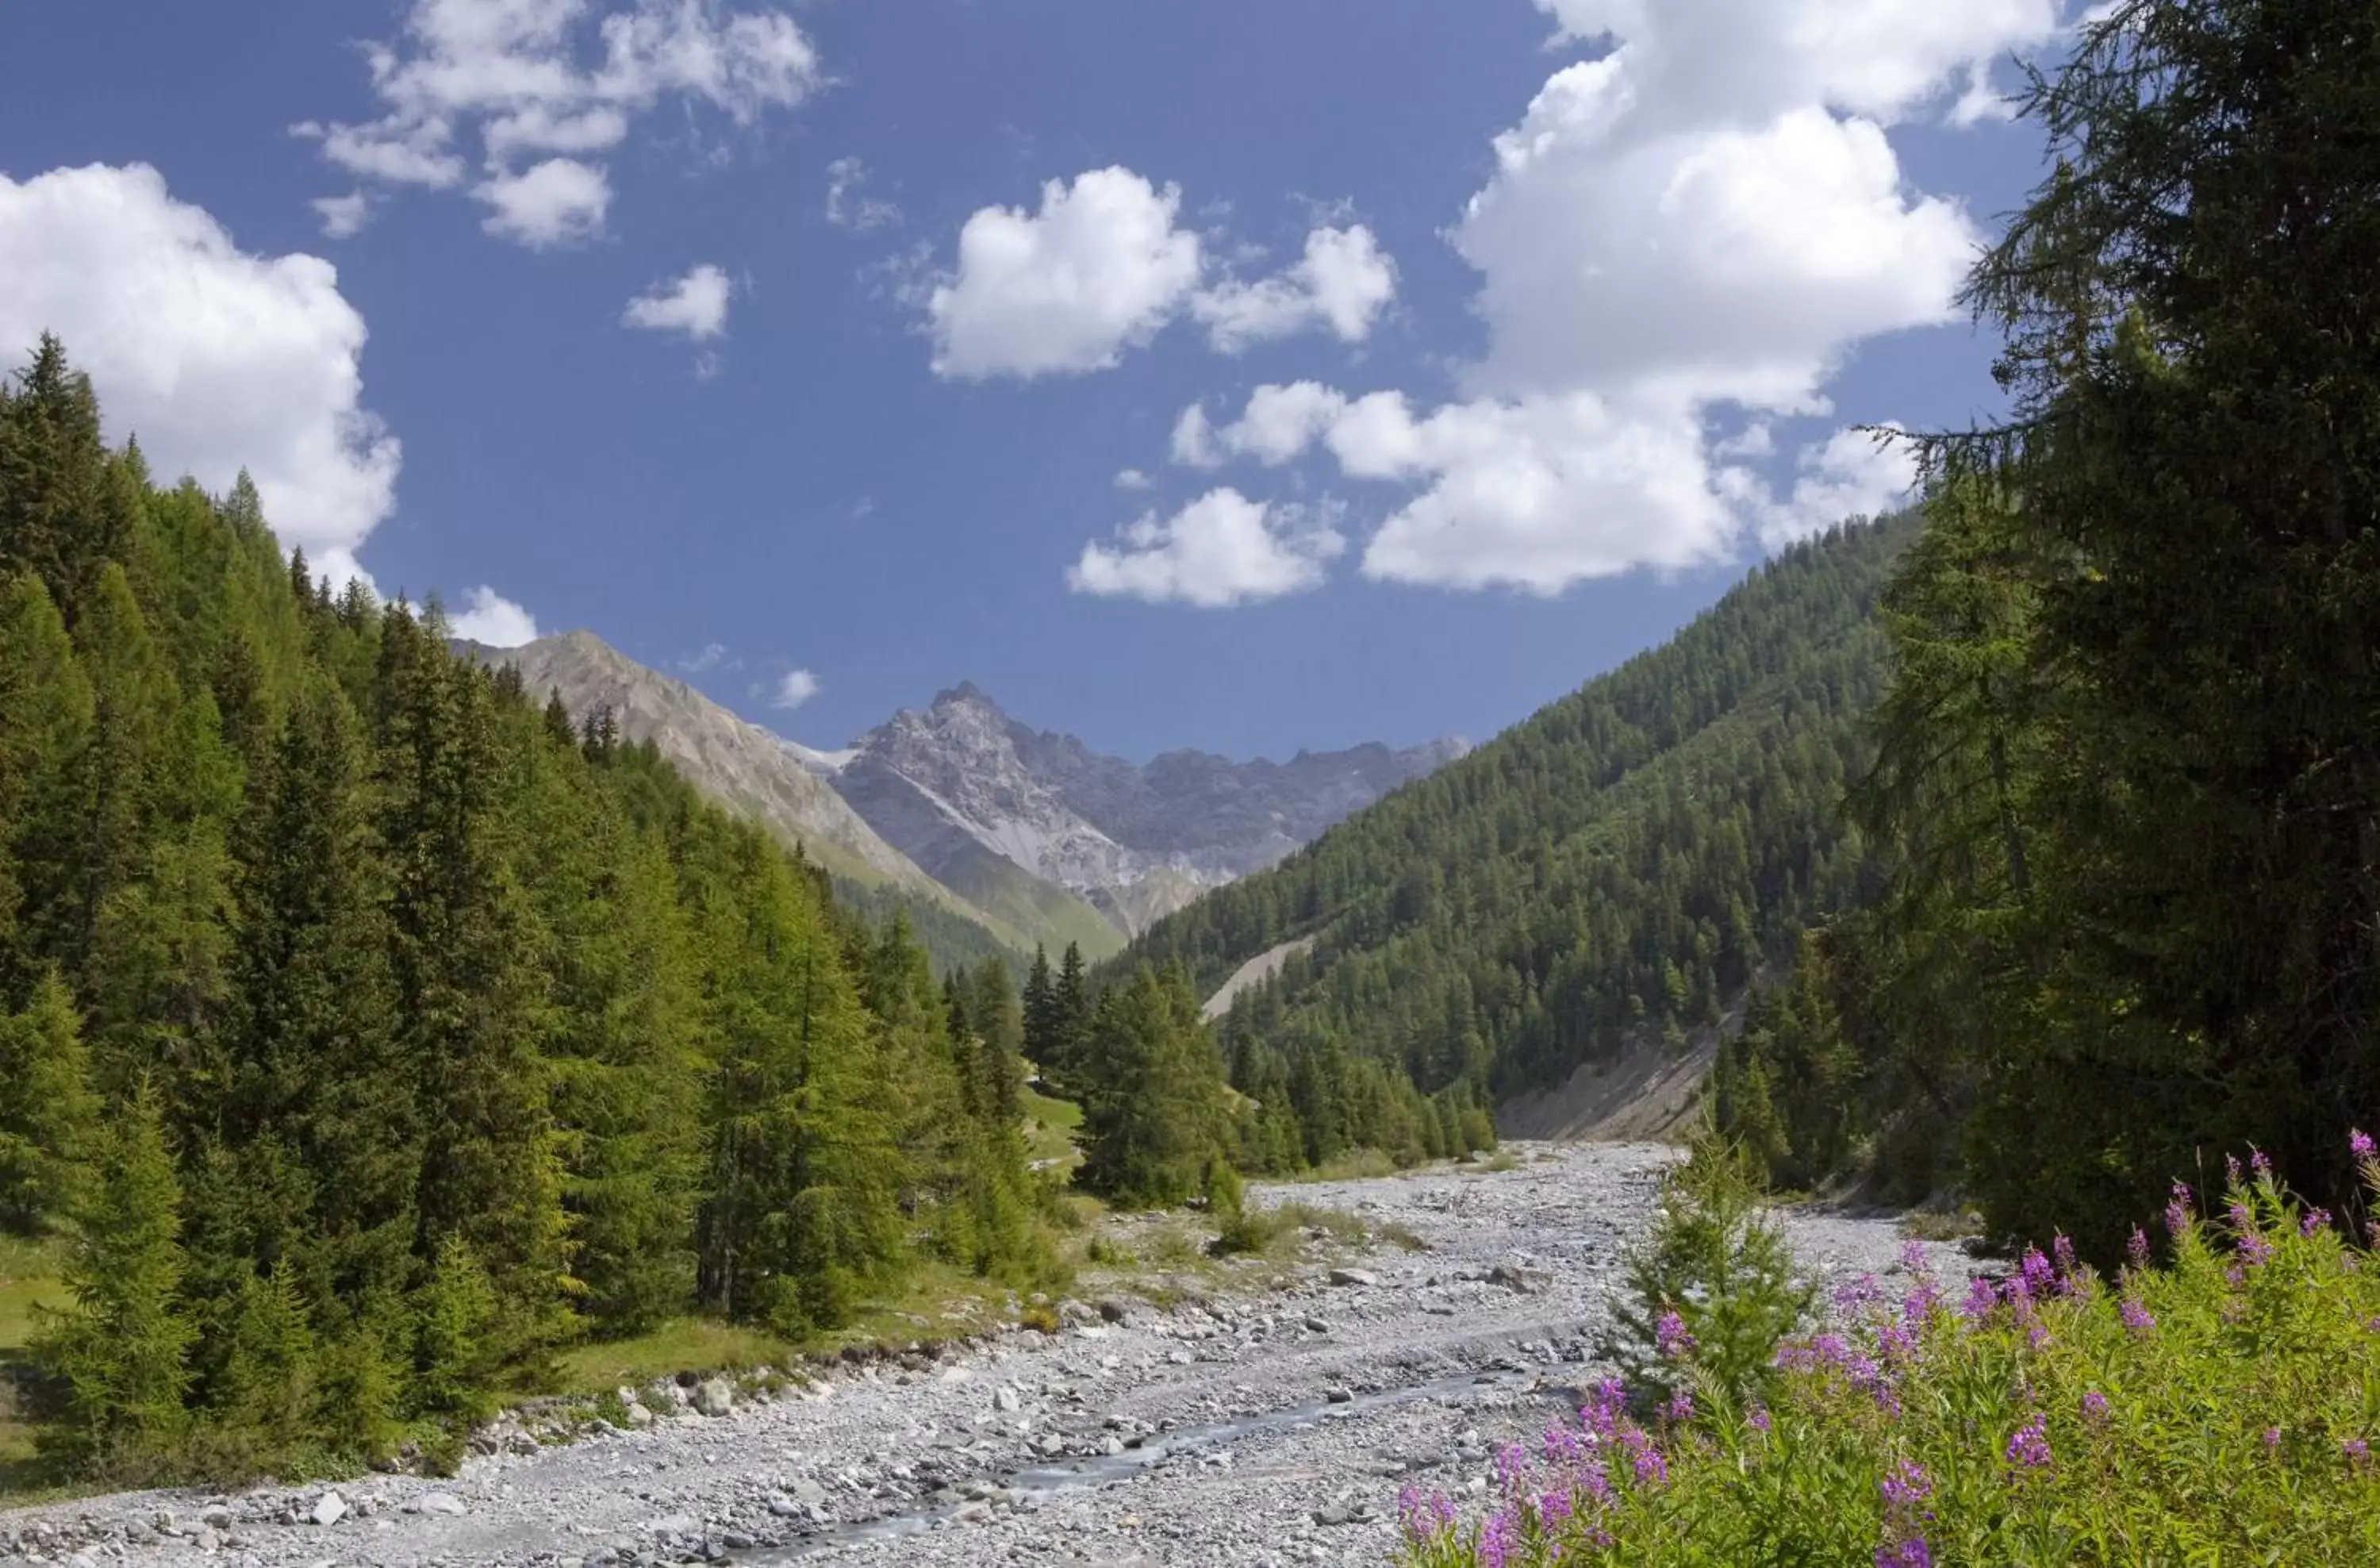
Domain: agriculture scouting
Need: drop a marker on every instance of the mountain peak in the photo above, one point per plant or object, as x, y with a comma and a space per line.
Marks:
966, 691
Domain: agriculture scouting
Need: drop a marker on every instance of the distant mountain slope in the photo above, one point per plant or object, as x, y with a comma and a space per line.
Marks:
973, 797
1609, 872
755, 773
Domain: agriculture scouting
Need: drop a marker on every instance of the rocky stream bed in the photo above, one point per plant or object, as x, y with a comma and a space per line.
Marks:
1262, 1430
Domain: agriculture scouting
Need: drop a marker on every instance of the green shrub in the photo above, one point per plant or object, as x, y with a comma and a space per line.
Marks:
2217, 1410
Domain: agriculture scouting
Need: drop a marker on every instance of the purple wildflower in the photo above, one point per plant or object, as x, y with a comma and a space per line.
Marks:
2036, 1271
1981, 1299
1554, 1507
2063, 1250
2177, 1209
2371, 1325
1682, 1406
2360, 1143
2316, 1221
2138, 1247
1855, 1295
1912, 1257
2358, 1452
1595, 1483
1671, 1337
2028, 1446
2231, 1168
1911, 1553
1907, 1486
2094, 1406
2260, 1163
1512, 1466
1496, 1540
1651, 1468
2272, 1439
1760, 1422
2138, 1318
2255, 1250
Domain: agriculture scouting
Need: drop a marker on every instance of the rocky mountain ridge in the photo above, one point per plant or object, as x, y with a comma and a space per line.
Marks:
1030, 831
960, 779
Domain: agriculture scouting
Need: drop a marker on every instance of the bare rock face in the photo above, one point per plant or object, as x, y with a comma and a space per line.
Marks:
961, 777
1031, 832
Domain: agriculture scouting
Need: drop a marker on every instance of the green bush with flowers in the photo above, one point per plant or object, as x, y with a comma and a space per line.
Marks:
2213, 1404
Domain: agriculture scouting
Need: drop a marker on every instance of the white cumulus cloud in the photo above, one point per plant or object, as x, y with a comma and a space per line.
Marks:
1343, 283
1686, 234
559, 201
342, 217
488, 617
552, 83
1221, 550
793, 689
695, 305
1099, 268
218, 358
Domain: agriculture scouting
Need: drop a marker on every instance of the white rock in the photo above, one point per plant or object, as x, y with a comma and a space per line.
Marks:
329, 1508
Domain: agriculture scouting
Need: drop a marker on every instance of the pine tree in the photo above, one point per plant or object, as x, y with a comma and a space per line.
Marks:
49, 1118
1041, 1010
45, 723
120, 1350
1071, 1007
1153, 1112
55, 518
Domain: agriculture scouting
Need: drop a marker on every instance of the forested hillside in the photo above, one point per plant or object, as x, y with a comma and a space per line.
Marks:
369, 1030
1625, 861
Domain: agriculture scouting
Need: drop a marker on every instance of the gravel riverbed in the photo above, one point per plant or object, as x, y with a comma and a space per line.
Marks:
1263, 1430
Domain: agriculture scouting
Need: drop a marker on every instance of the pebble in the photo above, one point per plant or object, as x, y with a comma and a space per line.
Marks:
1521, 1266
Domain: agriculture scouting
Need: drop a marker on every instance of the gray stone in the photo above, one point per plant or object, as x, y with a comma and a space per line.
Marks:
1354, 1277
329, 1508
715, 1397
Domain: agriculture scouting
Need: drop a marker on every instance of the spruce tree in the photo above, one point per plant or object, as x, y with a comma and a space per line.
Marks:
49, 1117
45, 723
120, 1350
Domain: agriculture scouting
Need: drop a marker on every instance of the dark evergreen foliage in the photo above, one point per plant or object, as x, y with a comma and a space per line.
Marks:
371, 1032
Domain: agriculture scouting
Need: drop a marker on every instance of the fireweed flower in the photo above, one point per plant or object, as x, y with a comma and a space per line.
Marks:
1512, 1466
2231, 1168
1857, 1293
1554, 1508
1911, 1553
1671, 1337
2316, 1221
1682, 1406
1496, 1540
2260, 1163
2254, 1250
1759, 1417
2358, 1452
2177, 1209
1912, 1257
1981, 1299
2094, 1406
2138, 1318
2271, 1438
2138, 1247
2028, 1446
2360, 1146
1907, 1487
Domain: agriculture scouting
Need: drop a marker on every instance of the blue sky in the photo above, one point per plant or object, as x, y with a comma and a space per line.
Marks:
1518, 328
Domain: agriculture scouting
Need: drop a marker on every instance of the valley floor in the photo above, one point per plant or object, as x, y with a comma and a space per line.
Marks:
1268, 1431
